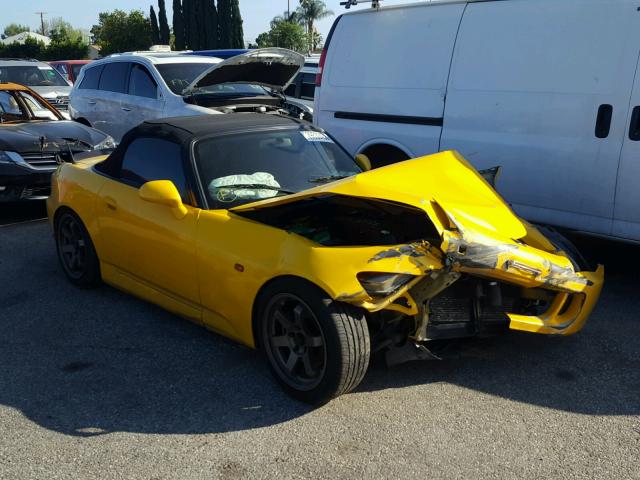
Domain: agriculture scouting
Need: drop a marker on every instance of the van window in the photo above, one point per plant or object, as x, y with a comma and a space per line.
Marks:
141, 84
114, 77
91, 78
149, 159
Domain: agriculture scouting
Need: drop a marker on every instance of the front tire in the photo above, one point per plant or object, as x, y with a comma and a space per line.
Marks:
76, 252
317, 348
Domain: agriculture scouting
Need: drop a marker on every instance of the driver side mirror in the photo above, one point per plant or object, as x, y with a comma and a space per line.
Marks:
163, 192
363, 162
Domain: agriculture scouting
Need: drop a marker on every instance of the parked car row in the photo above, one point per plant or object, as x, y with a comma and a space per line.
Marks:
119, 92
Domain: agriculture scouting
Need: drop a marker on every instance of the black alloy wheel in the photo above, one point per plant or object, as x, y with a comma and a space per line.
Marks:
317, 348
76, 251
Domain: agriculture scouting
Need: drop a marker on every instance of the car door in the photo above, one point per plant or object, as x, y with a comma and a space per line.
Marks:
531, 89
112, 88
142, 101
147, 249
626, 218
83, 100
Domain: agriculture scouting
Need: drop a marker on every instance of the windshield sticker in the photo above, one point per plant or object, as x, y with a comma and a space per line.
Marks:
312, 136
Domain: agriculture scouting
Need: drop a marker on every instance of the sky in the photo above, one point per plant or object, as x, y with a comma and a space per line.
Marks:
84, 13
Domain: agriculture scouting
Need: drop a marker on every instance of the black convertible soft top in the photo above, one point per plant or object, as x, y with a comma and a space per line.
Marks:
183, 130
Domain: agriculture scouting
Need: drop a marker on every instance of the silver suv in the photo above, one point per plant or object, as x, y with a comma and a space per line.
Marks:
39, 76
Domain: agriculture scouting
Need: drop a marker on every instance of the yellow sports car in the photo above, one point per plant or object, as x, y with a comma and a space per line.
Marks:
265, 230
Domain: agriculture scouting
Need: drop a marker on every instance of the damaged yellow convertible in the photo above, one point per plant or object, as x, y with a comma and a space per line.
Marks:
262, 228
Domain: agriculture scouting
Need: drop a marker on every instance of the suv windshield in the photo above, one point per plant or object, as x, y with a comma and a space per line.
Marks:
179, 76
245, 167
32, 76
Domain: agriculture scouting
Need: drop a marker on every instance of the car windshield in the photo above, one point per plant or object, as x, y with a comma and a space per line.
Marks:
179, 76
241, 168
13, 110
32, 76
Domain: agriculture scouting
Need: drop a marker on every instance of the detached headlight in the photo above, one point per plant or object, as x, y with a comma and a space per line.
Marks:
383, 284
10, 158
106, 144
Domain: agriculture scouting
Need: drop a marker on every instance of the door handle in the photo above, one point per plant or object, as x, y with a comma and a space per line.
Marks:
91, 102
634, 126
126, 109
111, 203
603, 120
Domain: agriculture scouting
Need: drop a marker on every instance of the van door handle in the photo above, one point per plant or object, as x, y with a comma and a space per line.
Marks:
603, 120
111, 203
91, 102
634, 127
126, 109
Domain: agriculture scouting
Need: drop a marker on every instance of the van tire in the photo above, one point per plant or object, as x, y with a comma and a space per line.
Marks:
383, 154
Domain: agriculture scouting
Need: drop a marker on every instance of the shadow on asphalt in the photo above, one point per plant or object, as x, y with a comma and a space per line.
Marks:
89, 362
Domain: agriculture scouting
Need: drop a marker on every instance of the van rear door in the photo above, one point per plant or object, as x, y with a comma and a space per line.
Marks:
626, 217
385, 76
530, 89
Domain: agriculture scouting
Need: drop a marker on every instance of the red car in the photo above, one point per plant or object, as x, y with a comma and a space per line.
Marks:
69, 69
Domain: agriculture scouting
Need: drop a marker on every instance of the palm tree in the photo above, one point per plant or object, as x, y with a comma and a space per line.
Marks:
287, 16
309, 11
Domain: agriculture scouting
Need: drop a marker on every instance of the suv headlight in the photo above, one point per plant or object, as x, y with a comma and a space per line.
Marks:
12, 158
383, 284
106, 144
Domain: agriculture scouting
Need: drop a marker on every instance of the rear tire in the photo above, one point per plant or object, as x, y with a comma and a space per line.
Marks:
76, 252
317, 348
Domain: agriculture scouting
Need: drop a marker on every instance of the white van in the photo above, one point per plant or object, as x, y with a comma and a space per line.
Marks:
545, 88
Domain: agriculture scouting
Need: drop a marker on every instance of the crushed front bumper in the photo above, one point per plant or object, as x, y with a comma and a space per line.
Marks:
569, 310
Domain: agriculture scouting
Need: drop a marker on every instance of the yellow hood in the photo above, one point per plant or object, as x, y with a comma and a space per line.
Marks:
444, 180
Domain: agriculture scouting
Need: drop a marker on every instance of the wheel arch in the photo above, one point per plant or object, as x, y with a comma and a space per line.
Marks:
379, 149
83, 121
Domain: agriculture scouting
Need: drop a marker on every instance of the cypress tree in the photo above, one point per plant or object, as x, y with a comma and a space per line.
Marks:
201, 17
163, 24
155, 32
237, 35
211, 20
224, 36
178, 25
191, 24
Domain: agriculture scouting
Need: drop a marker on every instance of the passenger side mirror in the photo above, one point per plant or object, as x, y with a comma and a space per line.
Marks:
363, 162
163, 192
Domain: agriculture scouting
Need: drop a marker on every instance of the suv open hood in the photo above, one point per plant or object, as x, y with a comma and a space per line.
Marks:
443, 184
269, 67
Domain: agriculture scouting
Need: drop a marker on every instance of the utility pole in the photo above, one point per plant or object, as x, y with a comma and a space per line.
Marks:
288, 10
42, 14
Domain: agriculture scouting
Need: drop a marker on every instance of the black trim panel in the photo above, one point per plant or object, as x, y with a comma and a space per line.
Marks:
380, 117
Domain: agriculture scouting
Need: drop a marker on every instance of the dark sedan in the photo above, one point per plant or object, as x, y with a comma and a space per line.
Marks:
34, 139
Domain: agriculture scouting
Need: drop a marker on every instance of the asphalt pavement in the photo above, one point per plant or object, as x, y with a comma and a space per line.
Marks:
98, 384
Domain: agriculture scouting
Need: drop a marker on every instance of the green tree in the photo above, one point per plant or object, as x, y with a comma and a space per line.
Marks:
162, 22
311, 11
119, 31
14, 29
211, 24
284, 34
155, 31
178, 25
190, 8
230, 24
31, 48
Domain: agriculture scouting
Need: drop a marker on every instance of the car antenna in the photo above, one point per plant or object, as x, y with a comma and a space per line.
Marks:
350, 3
